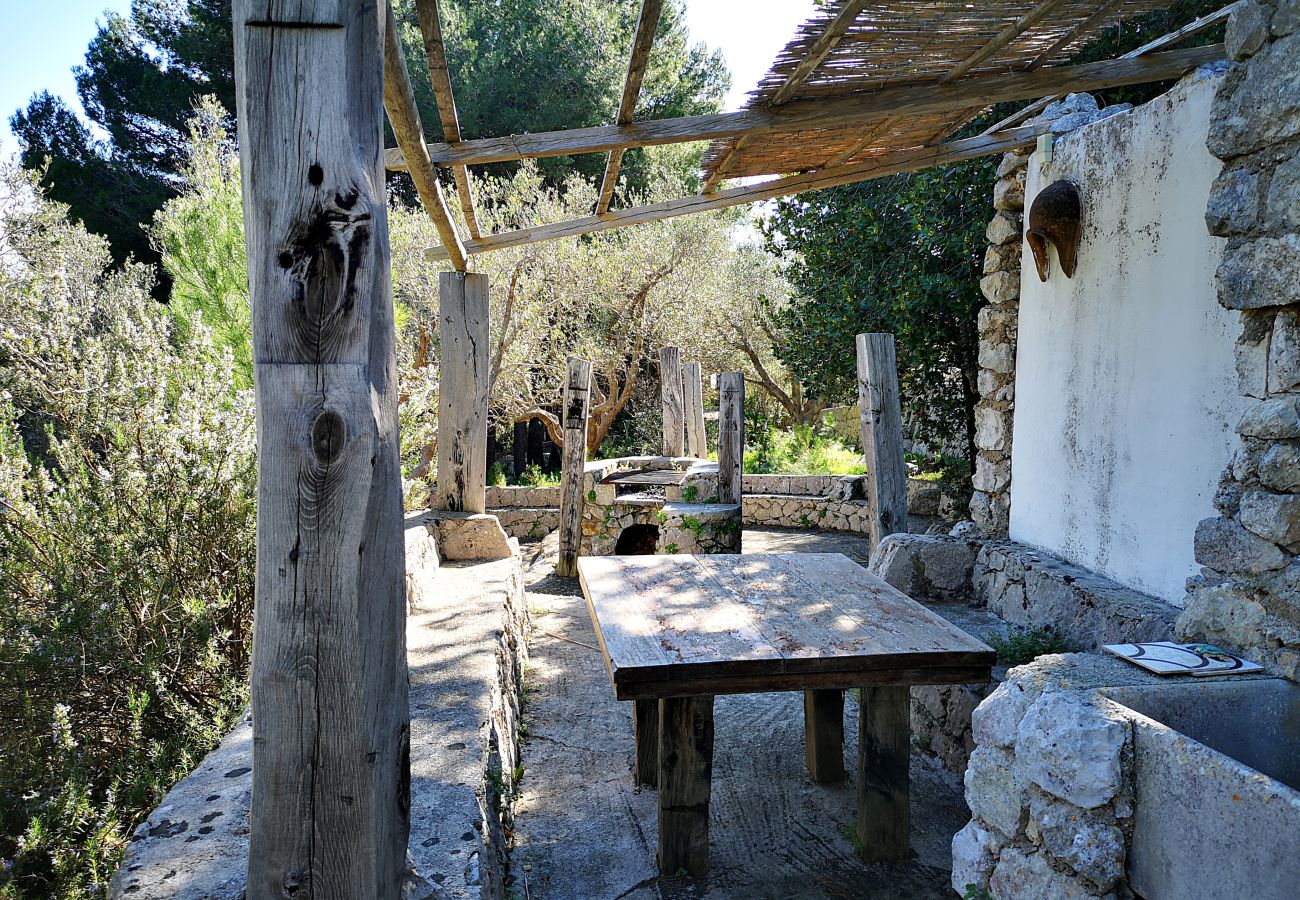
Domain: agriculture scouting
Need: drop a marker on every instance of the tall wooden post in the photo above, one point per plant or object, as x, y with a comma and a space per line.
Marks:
882, 435
462, 392
693, 395
331, 777
577, 406
731, 435
670, 390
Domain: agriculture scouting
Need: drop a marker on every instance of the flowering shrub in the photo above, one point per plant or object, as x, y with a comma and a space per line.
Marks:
126, 548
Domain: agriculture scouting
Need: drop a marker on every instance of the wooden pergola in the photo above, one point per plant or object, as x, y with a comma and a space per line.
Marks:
866, 88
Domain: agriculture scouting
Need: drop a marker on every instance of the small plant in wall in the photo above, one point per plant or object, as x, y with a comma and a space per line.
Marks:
661, 517
591, 496
689, 493
694, 525
671, 548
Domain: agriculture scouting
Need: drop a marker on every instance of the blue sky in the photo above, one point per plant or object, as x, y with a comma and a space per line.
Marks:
44, 39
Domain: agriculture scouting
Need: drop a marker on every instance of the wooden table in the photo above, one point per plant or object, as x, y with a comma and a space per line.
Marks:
678, 630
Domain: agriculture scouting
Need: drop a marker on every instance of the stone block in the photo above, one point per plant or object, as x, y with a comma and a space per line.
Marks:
1009, 192
1258, 103
1067, 105
1001, 287
994, 722
1260, 273
992, 791
1011, 162
1246, 31
1088, 841
974, 850
992, 476
1250, 354
1277, 418
1274, 517
1071, 747
1282, 211
1029, 876
1004, 228
470, 536
1233, 206
1224, 545
1279, 468
1286, 18
932, 567
992, 428
1284, 351
1076, 120
1002, 257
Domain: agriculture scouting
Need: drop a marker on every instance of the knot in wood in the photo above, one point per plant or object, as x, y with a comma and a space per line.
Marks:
328, 435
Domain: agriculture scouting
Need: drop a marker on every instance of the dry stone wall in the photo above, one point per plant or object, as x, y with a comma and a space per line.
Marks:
1247, 596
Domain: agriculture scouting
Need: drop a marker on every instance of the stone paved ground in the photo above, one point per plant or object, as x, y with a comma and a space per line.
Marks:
583, 831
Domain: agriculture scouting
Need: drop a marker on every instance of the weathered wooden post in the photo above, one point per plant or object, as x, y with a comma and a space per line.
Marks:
882, 435
731, 435
693, 391
462, 392
670, 391
576, 406
331, 794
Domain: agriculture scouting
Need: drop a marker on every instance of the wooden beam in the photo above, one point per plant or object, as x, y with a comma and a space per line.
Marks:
1066, 39
816, 55
463, 391
884, 779
575, 407
1005, 37
399, 103
671, 401
888, 164
800, 115
1194, 27
693, 390
436, 53
731, 436
636, 66
881, 421
331, 773
685, 782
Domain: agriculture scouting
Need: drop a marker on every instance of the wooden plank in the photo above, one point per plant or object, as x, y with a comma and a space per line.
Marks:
817, 53
660, 477
671, 400
693, 387
329, 816
685, 782
576, 408
645, 726
462, 392
1194, 27
399, 103
884, 783
731, 436
823, 735
882, 435
800, 115
646, 24
435, 52
886, 164
637, 688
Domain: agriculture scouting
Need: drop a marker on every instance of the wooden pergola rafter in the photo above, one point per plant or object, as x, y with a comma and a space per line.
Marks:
636, 66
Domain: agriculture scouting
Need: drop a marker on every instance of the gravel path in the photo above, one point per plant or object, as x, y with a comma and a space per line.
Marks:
583, 831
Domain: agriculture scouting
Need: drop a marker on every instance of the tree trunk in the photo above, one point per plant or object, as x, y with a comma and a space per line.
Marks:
331, 781
519, 447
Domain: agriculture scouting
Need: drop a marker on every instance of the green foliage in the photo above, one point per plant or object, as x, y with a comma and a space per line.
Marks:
127, 496
801, 450
940, 468
689, 493
975, 892
200, 236
672, 548
1020, 647
533, 476
693, 525
901, 254
496, 475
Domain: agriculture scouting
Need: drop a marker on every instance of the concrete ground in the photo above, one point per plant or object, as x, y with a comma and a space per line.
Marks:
583, 831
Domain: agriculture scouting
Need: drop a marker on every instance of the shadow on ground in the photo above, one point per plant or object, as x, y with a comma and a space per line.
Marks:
583, 831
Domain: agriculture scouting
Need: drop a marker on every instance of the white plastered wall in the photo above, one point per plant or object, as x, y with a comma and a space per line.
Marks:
1126, 390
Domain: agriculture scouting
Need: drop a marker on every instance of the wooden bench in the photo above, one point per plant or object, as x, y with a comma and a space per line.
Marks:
678, 630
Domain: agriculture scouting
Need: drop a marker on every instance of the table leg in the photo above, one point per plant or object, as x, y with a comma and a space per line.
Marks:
884, 786
685, 773
645, 727
823, 735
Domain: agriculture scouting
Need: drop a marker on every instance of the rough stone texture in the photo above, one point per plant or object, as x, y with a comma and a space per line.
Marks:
1259, 103
933, 567
1276, 418
1225, 545
1284, 349
1004, 228
527, 523
1283, 210
974, 850
1032, 589
1260, 273
1274, 517
1246, 31
499, 496
994, 791
469, 536
1233, 206
1088, 841
994, 722
1279, 468
1029, 876
700, 528
466, 644
1003, 286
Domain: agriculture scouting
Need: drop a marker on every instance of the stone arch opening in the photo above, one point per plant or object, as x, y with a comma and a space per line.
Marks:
637, 540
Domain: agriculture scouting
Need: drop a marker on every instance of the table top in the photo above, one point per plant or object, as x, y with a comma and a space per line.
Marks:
683, 625
661, 477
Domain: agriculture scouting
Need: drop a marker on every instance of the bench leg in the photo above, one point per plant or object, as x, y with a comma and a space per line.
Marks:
823, 735
645, 727
685, 774
884, 785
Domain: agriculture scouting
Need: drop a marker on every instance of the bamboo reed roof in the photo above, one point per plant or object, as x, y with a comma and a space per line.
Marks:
891, 43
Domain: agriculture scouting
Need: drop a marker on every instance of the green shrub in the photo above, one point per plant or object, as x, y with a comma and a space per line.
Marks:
533, 476
127, 497
496, 475
802, 450
1020, 647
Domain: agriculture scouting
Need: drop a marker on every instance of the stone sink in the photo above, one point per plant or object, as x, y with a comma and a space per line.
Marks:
1216, 789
